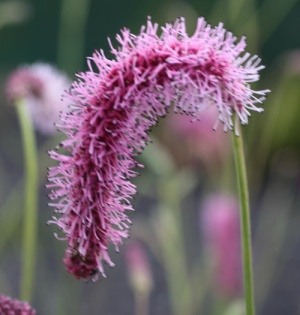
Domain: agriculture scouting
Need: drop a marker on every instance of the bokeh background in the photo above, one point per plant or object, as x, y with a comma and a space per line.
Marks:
181, 169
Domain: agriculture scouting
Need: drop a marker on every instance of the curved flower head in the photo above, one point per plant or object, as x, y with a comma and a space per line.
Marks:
41, 86
9, 306
114, 105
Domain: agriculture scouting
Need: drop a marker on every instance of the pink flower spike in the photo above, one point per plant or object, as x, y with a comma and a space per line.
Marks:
9, 306
115, 104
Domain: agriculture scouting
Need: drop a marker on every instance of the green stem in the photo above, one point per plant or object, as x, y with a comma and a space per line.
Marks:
240, 166
30, 211
173, 245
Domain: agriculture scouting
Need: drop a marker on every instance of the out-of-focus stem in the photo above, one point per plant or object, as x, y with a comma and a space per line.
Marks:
170, 233
30, 204
173, 248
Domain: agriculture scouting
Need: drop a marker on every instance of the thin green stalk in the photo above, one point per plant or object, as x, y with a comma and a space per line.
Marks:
241, 174
173, 245
30, 205
171, 234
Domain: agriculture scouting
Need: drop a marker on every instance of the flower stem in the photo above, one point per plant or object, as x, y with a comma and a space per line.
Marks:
241, 174
30, 211
173, 246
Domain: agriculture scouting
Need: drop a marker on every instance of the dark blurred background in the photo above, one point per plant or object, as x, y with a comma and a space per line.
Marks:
64, 33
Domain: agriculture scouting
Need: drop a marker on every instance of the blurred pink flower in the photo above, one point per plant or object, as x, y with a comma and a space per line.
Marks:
41, 86
199, 139
8, 306
221, 229
114, 105
138, 267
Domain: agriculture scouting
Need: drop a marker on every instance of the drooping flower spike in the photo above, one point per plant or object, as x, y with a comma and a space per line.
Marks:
114, 105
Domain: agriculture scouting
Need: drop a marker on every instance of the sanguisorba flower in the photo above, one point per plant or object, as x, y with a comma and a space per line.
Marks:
9, 306
41, 86
112, 108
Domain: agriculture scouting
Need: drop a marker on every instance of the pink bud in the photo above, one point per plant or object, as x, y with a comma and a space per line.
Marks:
139, 271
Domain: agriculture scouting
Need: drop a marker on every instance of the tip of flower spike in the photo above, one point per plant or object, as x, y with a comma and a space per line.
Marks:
95, 277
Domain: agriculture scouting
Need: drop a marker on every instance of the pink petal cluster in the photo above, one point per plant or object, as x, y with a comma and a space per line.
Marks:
112, 108
9, 306
40, 85
221, 230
